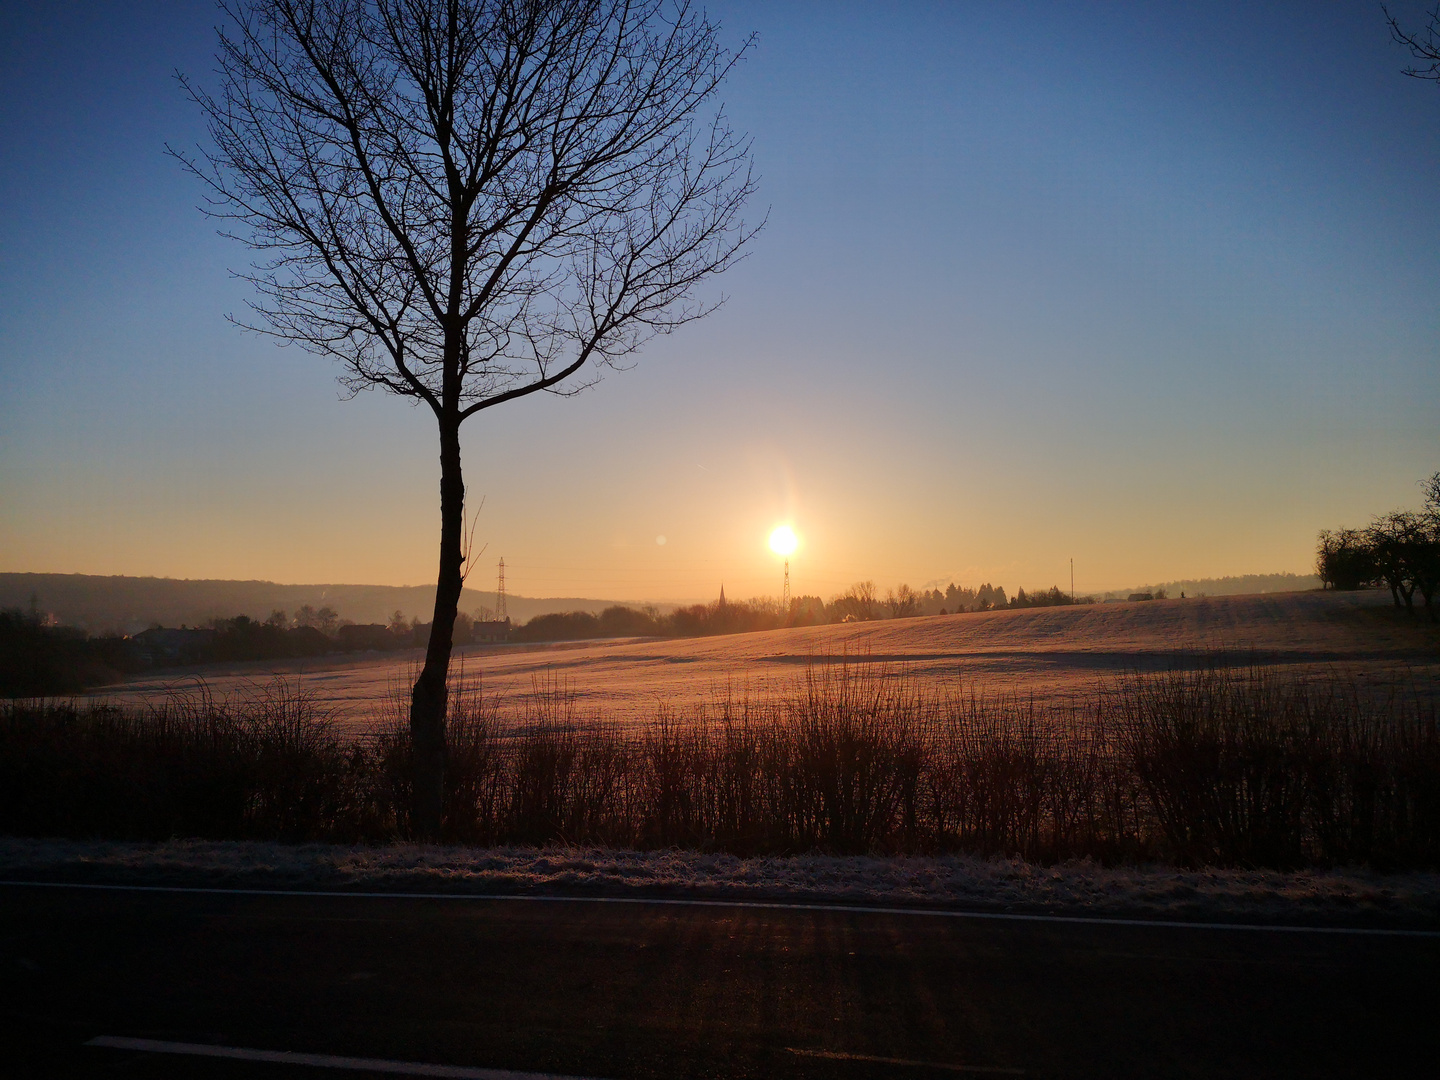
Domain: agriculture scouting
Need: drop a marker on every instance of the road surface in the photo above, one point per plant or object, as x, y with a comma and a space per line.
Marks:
628, 991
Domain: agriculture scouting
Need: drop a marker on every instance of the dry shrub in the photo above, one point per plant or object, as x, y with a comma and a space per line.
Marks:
680, 778
568, 779
265, 765
475, 766
1008, 778
1212, 765
846, 760
1258, 767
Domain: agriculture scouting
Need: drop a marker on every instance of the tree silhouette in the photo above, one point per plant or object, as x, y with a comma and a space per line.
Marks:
1425, 47
1344, 559
1396, 540
1400, 549
471, 201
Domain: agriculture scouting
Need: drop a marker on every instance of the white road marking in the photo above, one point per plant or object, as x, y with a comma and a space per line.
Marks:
760, 905
832, 1055
320, 1061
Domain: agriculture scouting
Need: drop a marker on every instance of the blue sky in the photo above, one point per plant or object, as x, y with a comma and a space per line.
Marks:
1149, 286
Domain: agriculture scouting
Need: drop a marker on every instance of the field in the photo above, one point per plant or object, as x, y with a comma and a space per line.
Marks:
1267, 731
1048, 654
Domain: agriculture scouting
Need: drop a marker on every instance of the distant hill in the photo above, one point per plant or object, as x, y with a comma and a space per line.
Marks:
130, 604
1228, 586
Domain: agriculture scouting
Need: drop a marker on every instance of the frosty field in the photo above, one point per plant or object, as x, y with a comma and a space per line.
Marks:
1048, 654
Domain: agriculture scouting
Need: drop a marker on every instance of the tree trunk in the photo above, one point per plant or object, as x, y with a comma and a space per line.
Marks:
428, 699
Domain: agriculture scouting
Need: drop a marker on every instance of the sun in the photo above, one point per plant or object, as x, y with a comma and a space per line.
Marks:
783, 541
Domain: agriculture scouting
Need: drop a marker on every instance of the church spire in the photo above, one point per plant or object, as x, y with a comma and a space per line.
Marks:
722, 594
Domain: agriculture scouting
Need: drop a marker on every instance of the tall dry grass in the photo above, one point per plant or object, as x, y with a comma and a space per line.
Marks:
268, 765
1255, 767
1217, 765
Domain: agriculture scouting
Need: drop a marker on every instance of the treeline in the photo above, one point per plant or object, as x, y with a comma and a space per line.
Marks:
118, 606
309, 632
39, 658
314, 633
697, 620
1399, 551
1231, 585
860, 603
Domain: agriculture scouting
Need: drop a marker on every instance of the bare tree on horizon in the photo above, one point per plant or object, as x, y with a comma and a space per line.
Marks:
470, 201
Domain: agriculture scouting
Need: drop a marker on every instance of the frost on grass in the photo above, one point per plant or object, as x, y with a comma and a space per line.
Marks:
958, 882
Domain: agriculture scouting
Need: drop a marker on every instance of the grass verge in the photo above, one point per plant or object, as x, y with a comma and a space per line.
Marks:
1213, 766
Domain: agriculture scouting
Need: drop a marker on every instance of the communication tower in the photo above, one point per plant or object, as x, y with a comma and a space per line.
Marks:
501, 615
785, 594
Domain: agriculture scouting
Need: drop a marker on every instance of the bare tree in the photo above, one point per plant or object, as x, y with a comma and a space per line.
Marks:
1399, 540
1428, 550
1344, 559
469, 201
1400, 550
856, 604
903, 602
1424, 47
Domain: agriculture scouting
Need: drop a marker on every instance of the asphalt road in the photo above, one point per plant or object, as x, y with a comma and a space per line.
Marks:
596, 990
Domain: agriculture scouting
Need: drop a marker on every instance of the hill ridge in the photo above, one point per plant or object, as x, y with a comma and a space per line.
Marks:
127, 603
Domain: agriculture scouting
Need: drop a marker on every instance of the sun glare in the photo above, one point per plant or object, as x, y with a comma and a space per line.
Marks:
783, 541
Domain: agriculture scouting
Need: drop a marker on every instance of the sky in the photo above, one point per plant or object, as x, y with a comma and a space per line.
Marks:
1147, 286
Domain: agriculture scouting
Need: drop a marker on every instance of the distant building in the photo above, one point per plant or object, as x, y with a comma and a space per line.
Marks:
1141, 596
167, 645
362, 637
491, 631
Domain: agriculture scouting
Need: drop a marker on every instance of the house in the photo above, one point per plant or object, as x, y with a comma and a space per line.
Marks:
360, 637
495, 630
168, 645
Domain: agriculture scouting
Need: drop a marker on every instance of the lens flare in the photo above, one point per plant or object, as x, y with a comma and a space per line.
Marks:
783, 541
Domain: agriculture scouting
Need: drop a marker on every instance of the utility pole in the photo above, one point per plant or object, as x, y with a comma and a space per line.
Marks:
1072, 579
785, 594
